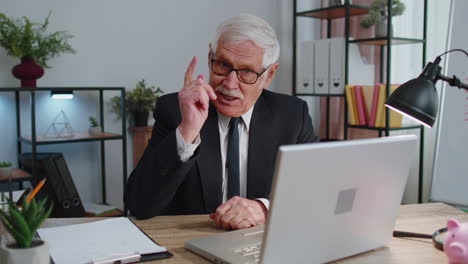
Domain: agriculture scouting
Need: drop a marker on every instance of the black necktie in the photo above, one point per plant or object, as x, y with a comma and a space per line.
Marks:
233, 158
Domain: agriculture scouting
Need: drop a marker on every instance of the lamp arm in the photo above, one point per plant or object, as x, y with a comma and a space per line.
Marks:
460, 50
455, 81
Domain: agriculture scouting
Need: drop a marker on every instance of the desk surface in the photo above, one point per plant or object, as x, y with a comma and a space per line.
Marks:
172, 231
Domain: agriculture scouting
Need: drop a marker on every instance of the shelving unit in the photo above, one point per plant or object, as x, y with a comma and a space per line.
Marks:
346, 11
35, 141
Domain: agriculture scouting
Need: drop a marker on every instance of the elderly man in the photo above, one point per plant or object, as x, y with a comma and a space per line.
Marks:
214, 143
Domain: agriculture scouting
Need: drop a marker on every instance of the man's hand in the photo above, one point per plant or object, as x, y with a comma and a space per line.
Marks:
239, 213
194, 101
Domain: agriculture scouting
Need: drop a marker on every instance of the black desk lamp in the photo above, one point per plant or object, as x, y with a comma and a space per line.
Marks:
417, 98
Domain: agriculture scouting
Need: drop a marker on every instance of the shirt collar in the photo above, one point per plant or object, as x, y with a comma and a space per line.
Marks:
224, 120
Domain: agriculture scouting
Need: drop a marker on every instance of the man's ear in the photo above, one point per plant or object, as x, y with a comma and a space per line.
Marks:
209, 55
271, 72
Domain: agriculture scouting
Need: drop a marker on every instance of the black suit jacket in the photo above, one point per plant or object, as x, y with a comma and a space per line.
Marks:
161, 184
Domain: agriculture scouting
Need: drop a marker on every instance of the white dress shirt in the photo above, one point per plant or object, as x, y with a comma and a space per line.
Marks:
186, 151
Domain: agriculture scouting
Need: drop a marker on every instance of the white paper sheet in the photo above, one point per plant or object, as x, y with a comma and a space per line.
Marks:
83, 243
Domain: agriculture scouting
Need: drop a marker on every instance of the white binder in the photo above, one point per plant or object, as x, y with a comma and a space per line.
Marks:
305, 83
321, 66
337, 65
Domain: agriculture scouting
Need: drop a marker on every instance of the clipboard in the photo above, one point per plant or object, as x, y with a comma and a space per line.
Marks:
101, 242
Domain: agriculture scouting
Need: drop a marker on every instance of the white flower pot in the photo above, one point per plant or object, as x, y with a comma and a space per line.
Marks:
38, 254
94, 131
381, 29
5, 172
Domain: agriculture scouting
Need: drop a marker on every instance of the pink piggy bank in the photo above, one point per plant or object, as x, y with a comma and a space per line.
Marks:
456, 242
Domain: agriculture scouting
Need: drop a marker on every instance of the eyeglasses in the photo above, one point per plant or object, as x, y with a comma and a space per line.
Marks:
243, 75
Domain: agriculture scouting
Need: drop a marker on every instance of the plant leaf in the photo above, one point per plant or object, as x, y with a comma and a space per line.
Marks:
38, 213
16, 235
19, 227
41, 218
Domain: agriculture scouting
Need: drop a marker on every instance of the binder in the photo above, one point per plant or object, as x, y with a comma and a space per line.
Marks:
305, 83
59, 186
336, 67
321, 66
107, 241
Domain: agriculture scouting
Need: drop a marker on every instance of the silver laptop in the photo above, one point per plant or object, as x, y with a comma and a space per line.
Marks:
329, 201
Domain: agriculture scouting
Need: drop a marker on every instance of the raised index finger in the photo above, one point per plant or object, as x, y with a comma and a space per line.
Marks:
190, 70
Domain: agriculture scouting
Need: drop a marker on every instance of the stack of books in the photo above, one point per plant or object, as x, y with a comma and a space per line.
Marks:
366, 106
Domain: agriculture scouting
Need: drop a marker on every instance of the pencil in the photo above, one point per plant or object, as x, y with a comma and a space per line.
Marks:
25, 194
36, 190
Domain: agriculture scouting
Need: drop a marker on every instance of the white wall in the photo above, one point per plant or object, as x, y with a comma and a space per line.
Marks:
120, 42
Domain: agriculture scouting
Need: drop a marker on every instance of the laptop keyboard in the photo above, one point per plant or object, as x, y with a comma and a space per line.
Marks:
252, 252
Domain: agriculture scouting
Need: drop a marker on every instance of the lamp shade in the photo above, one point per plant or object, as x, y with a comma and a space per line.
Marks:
418, 98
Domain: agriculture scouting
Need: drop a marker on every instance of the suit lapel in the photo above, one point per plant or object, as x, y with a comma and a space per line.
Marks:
209, 161
259, 158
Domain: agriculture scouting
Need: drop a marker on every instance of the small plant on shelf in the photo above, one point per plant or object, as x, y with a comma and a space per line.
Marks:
140, 101
93, 122
5, 164
379, 14
94, 128
5, 168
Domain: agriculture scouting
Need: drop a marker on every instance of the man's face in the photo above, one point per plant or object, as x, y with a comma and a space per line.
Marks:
235, 97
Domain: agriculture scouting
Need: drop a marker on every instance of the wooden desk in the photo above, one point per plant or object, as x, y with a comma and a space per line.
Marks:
172, 231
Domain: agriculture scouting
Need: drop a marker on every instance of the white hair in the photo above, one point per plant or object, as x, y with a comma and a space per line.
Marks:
249, 27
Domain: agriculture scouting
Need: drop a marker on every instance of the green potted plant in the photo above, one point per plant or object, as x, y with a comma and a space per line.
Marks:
94, 128
22, 223
5, 169
140, 102
30, 41
378, 14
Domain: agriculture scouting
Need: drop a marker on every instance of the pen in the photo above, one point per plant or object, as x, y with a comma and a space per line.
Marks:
36, 190
25, 193
120, 260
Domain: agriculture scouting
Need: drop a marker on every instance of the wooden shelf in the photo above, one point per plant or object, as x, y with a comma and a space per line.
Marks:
319, 95
335, 12
383, 128
17, 175
42, 140
384, 41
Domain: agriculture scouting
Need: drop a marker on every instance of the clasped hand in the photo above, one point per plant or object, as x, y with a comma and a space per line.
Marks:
239, 213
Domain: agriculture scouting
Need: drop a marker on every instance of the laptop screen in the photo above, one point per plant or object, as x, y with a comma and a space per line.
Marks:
336, 199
